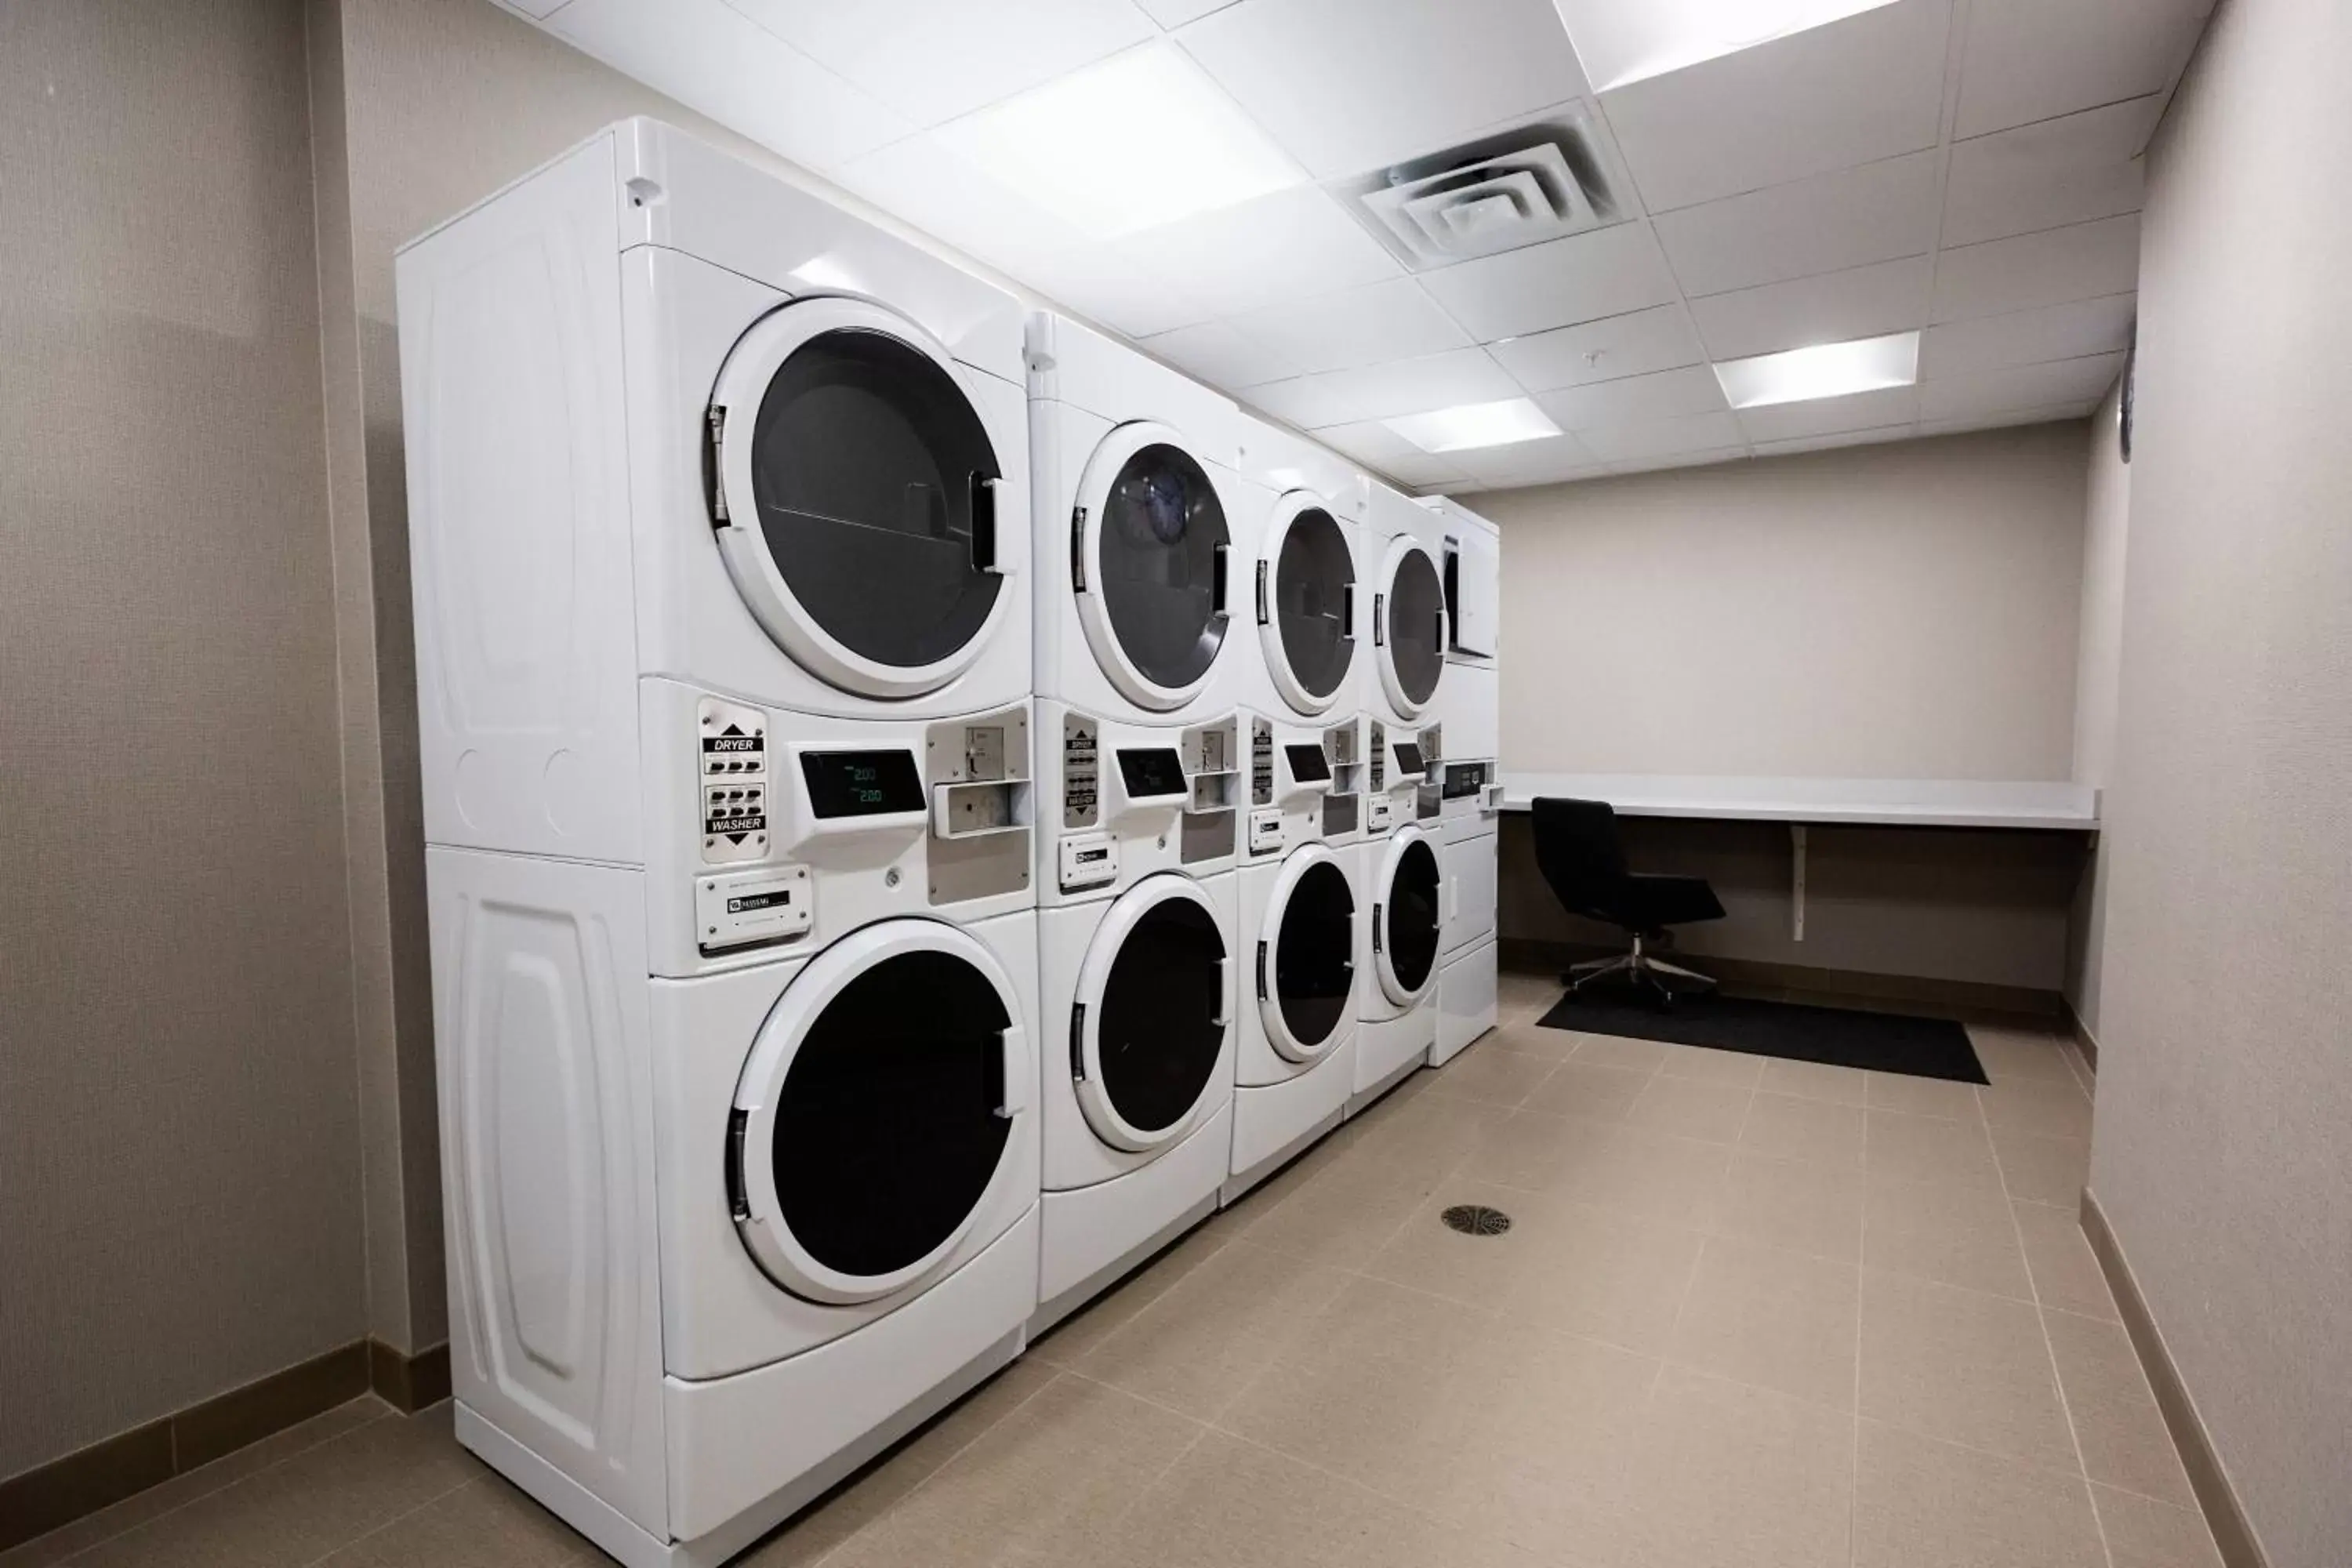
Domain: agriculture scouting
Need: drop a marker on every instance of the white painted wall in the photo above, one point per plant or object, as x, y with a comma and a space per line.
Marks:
1901, 611
2097, 685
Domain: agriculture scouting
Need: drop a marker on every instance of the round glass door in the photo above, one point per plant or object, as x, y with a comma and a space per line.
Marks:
857, 491
1305, 612
1410, 617
874, 1110
1307, 955
1152, 1014
1154, 551
1408, 917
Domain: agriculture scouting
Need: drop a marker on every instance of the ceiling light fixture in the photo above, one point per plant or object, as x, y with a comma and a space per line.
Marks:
1131, 142
1828, 370
1475, 424
1625, 41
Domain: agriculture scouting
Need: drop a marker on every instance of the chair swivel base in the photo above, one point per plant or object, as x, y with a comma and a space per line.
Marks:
1639, 966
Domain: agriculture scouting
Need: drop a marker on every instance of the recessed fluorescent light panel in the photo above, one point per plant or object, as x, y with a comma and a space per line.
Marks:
1141, 139
1475, 424
1830, 370
1626, 41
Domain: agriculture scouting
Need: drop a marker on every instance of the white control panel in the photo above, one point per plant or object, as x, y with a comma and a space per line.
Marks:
735, 783
737, 909
1088, 861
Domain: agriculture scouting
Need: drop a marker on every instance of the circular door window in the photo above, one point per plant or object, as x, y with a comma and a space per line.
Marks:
1152, 1015
859, 490
1412, 626
1406, 918
874, 1110
1154, 550
1307, 603
1307, 979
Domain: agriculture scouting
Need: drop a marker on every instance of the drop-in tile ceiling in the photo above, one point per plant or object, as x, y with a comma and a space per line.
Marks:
1967, 169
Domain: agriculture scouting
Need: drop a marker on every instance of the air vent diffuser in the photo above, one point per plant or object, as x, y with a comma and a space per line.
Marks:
1515, 187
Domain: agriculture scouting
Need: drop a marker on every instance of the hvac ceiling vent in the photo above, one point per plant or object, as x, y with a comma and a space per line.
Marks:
1516, 187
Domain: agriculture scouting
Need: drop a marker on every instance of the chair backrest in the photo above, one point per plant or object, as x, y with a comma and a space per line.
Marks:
1578, 852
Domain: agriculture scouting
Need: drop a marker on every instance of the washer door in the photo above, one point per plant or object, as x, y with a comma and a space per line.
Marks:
1148, 1024
1406, 916
854, 495
1307, 603
1305, 957
1150, 565
1409, 627
874, 1110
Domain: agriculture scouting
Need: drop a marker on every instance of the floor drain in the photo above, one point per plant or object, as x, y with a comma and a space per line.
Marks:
1476, 1219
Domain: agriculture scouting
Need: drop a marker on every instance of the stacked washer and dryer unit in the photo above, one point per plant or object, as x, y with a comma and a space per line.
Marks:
1467, 790
922, 801
718, 516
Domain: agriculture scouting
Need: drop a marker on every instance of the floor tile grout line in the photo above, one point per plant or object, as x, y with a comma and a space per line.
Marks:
288, 1458
1861, 1246
404, 1514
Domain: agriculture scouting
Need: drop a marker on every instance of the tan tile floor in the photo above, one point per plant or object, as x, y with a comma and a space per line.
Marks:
1751, 1313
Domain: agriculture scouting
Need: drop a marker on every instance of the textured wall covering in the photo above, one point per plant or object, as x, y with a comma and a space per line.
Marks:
179, 1183
2222, 1152
1899, 611
2097, 685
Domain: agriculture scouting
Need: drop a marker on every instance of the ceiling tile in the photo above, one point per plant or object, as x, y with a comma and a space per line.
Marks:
1839, 438
1636, 343
1388, 319
1421, 470
1417, 386
1868, 87
1280, 246
1829, 415
940, 193
2071, 331
1176, 13
1829, 308
2008, 419
1850, 219
2041, 176
1668, 395
1705, 458
2059, 382
1112, 289
2081, 261
1221, 356
1304, 401
934, 59
1544, 462
1583, 278
1663, 437
1347, 86
1366, 441
712, 57
2034, 59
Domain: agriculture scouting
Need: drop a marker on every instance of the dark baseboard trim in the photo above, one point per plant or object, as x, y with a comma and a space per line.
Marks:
1750, 973
107, 1472
2084, 1041
408, 1383
2233, 1532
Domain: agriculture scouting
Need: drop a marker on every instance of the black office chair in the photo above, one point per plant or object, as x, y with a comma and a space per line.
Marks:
1577, 849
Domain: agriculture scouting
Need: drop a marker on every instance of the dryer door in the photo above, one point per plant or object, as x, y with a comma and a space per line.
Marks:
853, 491
1307, 603
1407, 916
1409, 627
874, 1110
1305, 959
1149, 1023
1150, 558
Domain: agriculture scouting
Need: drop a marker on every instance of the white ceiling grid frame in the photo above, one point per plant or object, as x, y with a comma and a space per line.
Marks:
1637, 344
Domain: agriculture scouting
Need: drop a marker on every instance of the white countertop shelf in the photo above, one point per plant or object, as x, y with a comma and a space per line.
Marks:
1891, 802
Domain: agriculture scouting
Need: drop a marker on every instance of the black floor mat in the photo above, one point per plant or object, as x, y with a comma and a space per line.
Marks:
1883, 1042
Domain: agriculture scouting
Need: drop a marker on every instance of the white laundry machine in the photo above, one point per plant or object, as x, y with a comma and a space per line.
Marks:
1140, 570
1403, 877
1137, 946
1308, 594
1302, 910
723, 658
1468, 789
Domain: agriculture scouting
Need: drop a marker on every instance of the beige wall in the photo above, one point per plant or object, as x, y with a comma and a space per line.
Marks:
2223, 1149
179, 1187
2097, 688
1897, 611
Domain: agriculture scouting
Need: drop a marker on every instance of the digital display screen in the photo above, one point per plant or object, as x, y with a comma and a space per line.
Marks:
1149, 774
861, 783
1307, 763
1408, 755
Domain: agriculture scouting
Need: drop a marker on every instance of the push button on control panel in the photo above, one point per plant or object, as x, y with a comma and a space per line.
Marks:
734, 757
